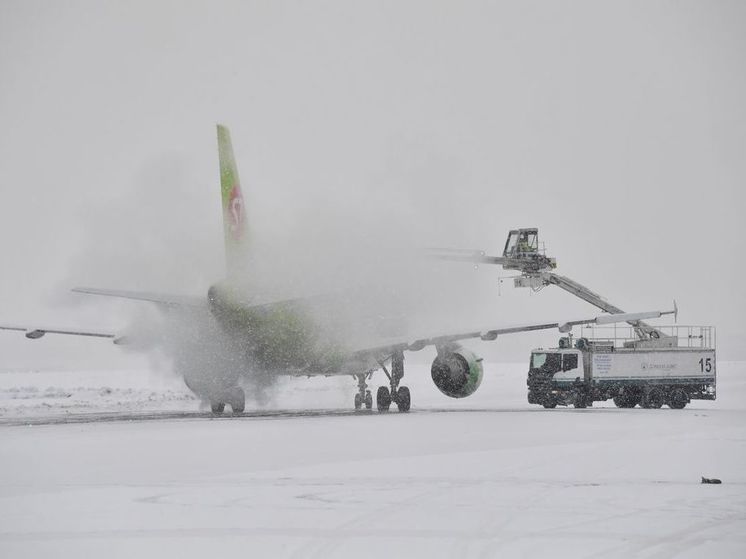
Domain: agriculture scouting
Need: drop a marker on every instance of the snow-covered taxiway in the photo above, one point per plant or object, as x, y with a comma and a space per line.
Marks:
488, 476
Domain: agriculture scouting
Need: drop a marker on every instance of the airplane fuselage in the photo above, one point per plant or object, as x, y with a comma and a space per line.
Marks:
303, 336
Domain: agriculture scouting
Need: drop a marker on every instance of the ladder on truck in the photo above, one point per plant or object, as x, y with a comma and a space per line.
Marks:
523, 253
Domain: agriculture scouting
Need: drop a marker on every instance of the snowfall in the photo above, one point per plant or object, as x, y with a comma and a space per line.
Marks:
128, 464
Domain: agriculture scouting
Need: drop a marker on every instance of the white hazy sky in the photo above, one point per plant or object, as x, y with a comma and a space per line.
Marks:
617, 128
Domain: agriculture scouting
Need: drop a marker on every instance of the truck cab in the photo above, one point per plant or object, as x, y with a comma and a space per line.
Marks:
557, 376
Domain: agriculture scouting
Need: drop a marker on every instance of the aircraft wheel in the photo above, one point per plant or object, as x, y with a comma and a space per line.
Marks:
403, 401
358, 401
217, 407
238, 400
383, 399
678, 399
368, 400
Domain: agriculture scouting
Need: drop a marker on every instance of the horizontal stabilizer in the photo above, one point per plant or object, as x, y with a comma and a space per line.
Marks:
160, 298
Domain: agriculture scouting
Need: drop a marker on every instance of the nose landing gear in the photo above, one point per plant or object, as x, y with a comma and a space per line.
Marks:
363, 395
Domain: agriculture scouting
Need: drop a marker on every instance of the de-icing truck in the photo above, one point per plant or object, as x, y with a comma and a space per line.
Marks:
642, 365
672, 368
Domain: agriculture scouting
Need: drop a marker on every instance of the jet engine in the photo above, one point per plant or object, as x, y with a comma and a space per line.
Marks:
457, 372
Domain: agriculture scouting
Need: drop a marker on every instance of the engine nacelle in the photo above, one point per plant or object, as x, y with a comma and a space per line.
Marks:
457, 372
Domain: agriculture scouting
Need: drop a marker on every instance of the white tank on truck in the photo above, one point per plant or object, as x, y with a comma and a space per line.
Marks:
614, 363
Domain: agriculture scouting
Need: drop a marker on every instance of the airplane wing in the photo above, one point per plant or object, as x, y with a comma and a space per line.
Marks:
168, 300
34, 333
488, 334
160, 298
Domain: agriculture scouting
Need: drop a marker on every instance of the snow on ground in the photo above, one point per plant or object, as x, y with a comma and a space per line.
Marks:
59, 393
488, 476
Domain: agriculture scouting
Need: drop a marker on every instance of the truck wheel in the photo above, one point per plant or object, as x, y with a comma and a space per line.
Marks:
653, 399
625, 398
634, 399
550, 405
678, 399
623, 401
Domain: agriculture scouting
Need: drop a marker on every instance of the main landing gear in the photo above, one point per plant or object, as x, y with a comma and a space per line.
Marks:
398, 394
235, 398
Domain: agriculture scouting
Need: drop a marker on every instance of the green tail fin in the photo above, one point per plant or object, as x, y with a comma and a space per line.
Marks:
234, 215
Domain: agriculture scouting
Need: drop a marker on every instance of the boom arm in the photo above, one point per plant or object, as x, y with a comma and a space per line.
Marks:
522, 253
643, 330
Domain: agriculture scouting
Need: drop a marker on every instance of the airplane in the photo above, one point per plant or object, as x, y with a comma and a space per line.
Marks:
306, 336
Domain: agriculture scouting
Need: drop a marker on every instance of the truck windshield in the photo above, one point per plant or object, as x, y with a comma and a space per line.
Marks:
529, 242
547, 361
510, 243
